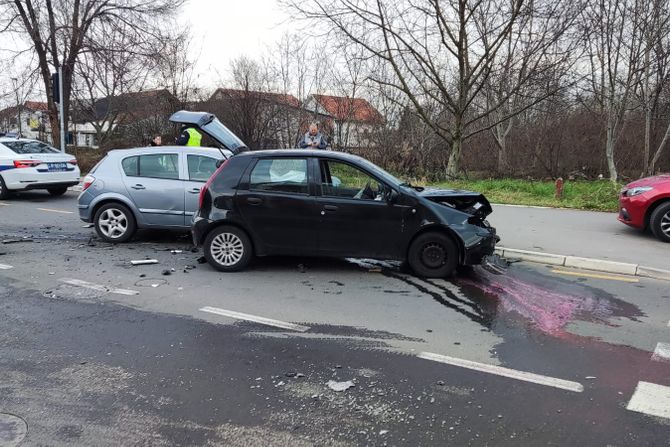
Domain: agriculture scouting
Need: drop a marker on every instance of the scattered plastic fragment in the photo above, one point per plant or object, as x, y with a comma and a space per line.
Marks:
590, 377
340, 386
383, 432
144, 261
175, 252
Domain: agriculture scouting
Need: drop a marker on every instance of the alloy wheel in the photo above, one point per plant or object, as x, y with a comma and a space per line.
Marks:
227, 249
113, 223
665, 223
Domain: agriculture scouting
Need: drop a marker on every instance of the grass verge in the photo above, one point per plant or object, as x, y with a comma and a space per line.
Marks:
585, 195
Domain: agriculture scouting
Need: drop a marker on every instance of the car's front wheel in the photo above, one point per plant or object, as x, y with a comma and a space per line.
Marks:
114, 222
228, 249
660, 222
56, 192
433, 255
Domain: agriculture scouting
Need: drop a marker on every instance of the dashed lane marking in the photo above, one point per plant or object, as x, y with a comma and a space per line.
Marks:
596, 275
98, 287
5, 267
504, 372
4, 204
255, 319
55, 211
662, 352
651, 399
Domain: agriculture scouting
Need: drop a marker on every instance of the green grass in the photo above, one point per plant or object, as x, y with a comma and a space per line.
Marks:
587, 195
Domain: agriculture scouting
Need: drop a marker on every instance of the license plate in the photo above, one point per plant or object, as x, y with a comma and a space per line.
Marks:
57, 166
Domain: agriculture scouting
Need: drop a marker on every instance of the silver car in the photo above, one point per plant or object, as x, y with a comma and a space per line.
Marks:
154, 187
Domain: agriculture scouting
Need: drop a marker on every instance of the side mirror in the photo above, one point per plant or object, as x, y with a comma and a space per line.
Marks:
392, 196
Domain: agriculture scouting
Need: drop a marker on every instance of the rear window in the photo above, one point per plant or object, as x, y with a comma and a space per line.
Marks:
30, 147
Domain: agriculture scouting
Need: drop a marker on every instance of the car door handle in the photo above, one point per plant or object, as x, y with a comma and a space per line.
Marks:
330, 208
254, 201
194, 191
138, 186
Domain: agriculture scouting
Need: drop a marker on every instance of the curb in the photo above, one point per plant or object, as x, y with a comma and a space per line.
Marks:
599, 265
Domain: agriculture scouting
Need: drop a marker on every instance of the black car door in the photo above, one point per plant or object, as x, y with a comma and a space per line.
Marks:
278, 208
356, 219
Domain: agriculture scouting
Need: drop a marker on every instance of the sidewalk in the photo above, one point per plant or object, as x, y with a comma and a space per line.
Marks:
586, 234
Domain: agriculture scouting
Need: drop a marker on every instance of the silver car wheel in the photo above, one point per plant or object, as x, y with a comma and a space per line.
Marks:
113, 223
227, 249
665, 223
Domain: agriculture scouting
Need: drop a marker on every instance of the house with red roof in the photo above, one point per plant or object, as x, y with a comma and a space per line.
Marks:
29, 120
351, 120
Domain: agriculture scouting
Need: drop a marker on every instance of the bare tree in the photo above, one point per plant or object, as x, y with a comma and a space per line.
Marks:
442, 53
616, 31
103, 76
655, 77
60, 32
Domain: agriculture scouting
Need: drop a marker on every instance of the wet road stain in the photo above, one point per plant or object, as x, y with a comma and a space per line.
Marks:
546, 303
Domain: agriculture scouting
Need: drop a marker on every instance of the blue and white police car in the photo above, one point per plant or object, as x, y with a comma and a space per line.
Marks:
30, 164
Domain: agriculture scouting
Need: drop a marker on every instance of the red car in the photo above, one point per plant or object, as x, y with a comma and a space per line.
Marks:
645, 203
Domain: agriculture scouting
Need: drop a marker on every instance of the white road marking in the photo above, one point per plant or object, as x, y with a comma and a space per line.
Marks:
662, 352
651, 399
98, 287
255, 319
5, 267
505, 372
4, 204
55, 211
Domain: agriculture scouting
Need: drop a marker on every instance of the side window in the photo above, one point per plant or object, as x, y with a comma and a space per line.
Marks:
343, 180
200, 168
280, 174
130, 166
159, 166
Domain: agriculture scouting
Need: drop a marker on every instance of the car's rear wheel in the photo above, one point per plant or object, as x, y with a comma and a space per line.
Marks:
114, 222
433, 255
228, 249
660, 222
56, 192
4, 192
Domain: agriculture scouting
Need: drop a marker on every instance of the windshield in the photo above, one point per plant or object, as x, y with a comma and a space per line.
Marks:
386, 176
30, 147
222, 134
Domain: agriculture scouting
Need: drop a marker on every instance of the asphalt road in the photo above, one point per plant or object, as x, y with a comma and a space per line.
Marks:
98, 352
586, 234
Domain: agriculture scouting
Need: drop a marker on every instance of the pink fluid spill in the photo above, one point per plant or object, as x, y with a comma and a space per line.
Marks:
549, 311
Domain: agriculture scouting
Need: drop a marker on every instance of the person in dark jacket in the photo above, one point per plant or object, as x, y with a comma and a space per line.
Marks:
313, 139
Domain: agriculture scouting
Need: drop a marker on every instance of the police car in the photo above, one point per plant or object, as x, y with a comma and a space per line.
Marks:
30, 164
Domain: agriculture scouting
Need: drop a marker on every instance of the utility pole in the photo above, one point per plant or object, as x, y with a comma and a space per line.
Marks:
60, 106
15, 81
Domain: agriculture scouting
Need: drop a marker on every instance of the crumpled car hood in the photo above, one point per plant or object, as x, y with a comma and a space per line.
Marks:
469, 202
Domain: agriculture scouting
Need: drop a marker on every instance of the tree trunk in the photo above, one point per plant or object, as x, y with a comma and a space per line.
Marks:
454, 163
609, 149
659, 152
647, 140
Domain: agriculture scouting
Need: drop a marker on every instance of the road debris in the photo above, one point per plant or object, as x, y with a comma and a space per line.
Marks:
202, 260
166, 273
340, 386
176, 252
16, 241
144, 261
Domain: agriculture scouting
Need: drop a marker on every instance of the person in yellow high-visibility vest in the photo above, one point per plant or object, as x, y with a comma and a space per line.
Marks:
189, 137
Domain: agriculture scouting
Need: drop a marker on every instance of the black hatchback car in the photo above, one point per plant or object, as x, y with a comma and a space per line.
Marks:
322, 203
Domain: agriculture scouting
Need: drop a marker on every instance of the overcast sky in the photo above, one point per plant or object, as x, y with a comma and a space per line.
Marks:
226, 29
222, 30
